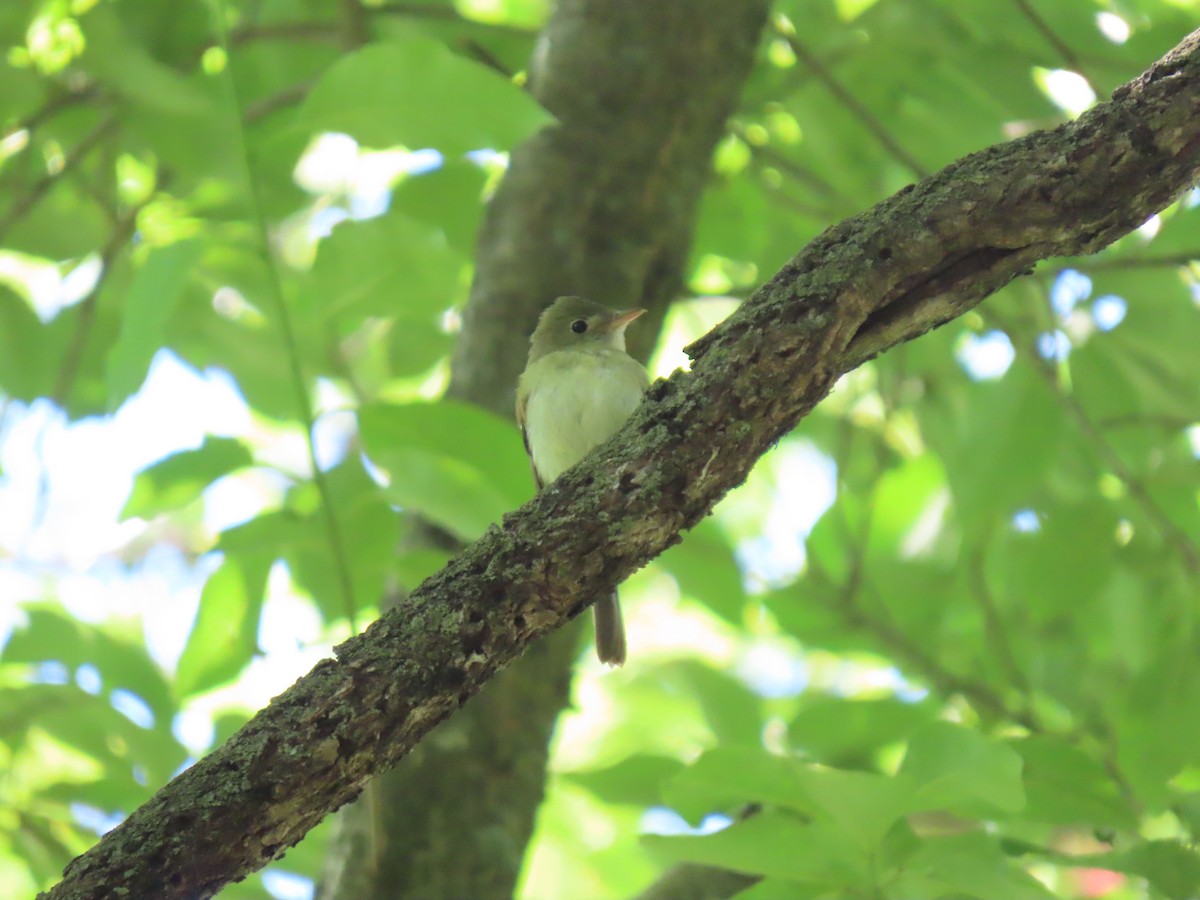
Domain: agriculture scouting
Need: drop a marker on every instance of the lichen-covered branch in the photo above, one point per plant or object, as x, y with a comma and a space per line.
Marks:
910, 264
610, 190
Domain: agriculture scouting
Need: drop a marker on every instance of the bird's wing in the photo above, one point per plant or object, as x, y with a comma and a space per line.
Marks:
522, 398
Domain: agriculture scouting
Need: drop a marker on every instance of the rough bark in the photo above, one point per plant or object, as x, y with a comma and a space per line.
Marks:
602, 203
911, 263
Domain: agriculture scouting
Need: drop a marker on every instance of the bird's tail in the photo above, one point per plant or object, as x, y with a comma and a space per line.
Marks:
610, 630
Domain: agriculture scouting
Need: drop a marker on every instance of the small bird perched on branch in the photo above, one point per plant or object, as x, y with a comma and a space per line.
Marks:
578, 388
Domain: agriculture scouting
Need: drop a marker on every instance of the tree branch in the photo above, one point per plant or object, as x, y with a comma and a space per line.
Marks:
912, 263
614, 189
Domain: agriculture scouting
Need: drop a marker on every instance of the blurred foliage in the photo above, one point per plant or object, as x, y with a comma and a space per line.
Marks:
969, 671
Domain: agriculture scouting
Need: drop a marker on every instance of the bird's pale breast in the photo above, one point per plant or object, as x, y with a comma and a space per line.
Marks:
580, 400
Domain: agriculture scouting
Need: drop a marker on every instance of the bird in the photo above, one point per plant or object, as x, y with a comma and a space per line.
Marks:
578, 388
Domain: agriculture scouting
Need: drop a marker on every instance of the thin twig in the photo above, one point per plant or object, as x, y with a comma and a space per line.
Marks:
288, 31
994, 627
853, 104
1143, 420
1171, 532
54, 105
1136, 488
293, 93
486, 57
910, 654
117, 239
77, 155
1060, 46
447, 13
848, 604
1173, 260
337, 546
356, 30
332, 31
784, 163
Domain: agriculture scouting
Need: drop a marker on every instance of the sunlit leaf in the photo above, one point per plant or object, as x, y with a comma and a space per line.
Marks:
961, 770
180, 479
412, 91
460, 466
225, 634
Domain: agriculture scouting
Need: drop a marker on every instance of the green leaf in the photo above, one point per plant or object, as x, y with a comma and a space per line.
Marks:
960, 770
704, 566
1065, 786
63, 224
450, 197
732, 710
148, 306
181, 478
1064, 565
122, 662
30, 352
364, 554
457, 464
902, 496
862, 806
636, 779
1145, 365
387, 266
224, 637
415, 93
1165, 700
90, 724
849, 10
843, 731
415, 347
728, 778
128, 70
1168, 865
773, 844
369, 532
1009, 436
968, 865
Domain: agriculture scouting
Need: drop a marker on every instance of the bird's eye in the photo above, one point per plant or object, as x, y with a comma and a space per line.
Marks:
579, 326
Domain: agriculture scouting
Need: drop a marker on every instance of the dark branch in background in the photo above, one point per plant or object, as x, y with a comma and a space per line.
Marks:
1184, 545
1069, 57
121, 234
41, 187
772, 157
994, 627
326, 32
852, 103
447, 14
61, 100
1165, 261
912, 263
332, 30
293, 93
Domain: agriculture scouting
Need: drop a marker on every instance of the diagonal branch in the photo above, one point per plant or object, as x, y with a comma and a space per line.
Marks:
912, 263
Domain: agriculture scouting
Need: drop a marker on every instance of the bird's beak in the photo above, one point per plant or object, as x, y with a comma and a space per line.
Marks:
622, 319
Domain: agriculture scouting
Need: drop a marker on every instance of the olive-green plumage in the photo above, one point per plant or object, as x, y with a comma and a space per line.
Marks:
578, 388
